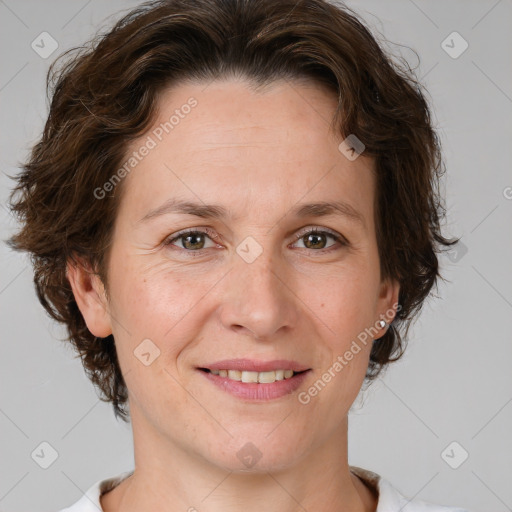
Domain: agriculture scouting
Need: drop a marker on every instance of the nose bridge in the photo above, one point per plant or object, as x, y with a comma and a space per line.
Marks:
258, 299
256, 267
255, 258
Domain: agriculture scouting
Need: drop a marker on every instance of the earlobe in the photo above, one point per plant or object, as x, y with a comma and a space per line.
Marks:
90, 297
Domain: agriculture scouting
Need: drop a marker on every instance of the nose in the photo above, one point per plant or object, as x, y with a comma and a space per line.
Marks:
258, 298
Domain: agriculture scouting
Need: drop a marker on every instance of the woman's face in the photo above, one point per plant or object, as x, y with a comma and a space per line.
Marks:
254, 283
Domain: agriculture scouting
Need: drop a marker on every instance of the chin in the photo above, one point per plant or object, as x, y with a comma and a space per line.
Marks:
260, 453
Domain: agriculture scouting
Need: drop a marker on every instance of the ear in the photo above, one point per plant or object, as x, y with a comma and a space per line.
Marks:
387, 306
90, 297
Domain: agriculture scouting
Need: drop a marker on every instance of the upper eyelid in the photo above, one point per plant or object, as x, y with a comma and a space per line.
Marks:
188, 231
317, 229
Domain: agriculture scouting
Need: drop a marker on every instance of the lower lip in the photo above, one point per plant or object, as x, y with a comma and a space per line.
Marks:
256, 391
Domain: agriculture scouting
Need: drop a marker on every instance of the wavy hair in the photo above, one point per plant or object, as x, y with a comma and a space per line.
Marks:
104, 94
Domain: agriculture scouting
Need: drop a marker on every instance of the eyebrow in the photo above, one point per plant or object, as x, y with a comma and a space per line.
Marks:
214, 211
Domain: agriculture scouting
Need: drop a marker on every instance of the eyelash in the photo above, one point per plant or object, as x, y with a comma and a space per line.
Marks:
301, 234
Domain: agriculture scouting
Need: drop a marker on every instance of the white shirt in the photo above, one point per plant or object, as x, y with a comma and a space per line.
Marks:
389, 498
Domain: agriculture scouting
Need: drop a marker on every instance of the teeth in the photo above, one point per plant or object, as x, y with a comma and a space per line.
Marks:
249, 377
267, 377
235, 374
262, 377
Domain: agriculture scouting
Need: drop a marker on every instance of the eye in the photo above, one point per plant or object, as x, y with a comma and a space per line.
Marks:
192, 239
315, 239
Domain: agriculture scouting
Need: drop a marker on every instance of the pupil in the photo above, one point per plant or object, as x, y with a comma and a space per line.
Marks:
192, 245
313, 236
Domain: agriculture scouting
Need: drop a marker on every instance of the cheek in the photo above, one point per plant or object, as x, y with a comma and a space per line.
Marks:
150, 313
346, 302
348, 312
156, 303
141, 295
347, 308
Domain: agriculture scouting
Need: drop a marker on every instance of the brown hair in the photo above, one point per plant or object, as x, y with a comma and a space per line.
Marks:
105, 95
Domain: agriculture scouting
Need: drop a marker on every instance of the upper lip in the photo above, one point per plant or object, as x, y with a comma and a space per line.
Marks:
252, 365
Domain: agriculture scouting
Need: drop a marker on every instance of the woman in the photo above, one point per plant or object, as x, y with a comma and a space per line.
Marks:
234, 210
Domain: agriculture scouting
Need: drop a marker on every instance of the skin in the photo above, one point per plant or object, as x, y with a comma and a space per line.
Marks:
258, 154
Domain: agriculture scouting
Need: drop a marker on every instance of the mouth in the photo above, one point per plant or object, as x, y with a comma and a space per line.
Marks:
255, 381
253, 377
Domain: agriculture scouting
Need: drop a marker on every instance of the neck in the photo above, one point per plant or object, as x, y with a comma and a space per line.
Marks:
175, 479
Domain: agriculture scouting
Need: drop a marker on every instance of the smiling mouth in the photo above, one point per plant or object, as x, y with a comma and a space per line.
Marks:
254, 377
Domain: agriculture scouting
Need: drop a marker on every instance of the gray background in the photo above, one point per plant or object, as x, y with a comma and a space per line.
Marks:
453, 384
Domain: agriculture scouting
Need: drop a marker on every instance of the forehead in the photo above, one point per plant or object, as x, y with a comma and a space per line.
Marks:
225, 141
232, 111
